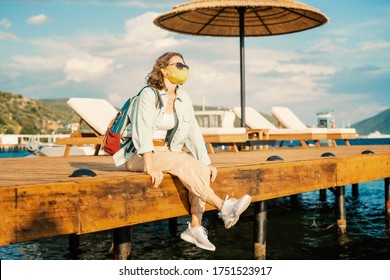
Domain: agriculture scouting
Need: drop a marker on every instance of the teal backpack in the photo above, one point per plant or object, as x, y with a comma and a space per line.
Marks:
113, 141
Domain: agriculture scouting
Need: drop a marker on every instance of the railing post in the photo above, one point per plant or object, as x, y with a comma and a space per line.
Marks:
341, 211
260, 230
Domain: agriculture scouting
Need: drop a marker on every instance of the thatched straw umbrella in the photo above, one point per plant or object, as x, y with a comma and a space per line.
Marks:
232, 18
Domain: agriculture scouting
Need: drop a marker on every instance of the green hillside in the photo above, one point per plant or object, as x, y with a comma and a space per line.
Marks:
380, 122
20, 115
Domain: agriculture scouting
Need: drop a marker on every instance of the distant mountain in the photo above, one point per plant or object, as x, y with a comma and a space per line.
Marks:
380, 122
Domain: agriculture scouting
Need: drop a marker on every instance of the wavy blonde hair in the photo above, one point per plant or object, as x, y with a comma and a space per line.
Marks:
155, 78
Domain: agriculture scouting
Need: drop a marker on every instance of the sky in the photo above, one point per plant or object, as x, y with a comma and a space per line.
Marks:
105, 49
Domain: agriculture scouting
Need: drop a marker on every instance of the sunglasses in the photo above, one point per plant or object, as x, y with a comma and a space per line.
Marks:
180, 65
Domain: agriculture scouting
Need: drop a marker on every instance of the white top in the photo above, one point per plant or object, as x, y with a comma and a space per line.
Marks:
168, 122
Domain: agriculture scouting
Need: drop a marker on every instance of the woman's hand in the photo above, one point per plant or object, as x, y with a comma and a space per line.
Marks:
157, 176
213, 173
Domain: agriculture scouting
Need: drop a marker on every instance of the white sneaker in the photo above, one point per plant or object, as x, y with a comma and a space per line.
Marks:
197, 236
232, 209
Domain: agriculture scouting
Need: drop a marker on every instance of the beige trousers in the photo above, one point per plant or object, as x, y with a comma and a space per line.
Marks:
194, 175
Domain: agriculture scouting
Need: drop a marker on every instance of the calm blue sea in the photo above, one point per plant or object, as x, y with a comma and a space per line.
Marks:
299, 231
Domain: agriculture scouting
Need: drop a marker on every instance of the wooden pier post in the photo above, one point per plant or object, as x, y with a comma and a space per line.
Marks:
323, 191
341, 211
294, 201
323, 195
172, 225
355, 190
387, 203
260, 230
260, 223
122, 242
74, 244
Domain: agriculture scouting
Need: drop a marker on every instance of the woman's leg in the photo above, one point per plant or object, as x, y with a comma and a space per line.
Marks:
187, 169
193, 173
196, 220
197, 207
196, 178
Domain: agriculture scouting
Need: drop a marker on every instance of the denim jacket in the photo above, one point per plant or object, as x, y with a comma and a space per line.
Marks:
144, 119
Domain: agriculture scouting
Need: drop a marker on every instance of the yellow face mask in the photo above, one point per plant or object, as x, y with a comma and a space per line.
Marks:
178, 74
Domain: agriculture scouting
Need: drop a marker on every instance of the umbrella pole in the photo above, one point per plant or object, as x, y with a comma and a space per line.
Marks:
241, 11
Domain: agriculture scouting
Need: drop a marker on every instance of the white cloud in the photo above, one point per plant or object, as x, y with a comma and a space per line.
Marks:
9, 36
26, 65
85, 58
115, 98
361, 28
325, 45
38, 20
291, 68
37, 63
114, 66
147, 4
5, 23
375, 46
142, 33
86, 68
285, 62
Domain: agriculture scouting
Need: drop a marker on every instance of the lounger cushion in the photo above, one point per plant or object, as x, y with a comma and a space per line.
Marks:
342, 130
287, 118
228, 119
97, 113
220, 130
285, 131
254, 119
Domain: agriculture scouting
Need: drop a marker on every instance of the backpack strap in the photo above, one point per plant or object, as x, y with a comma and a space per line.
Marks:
159, 100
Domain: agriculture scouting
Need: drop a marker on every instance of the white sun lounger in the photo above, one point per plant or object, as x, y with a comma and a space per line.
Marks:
226, 136
254, 120
217, 127
289, 120
97, 114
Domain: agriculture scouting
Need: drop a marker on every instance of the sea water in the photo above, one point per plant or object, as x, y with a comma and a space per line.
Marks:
303, 230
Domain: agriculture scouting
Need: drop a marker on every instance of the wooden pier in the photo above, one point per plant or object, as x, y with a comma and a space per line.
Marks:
38, 199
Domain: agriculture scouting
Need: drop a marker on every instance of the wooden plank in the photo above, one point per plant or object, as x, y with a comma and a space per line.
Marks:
225, 138
362, 168
129, 201
33, 212
45, 170
80, 141
278, 179
301, 136
7, 216
341, 136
